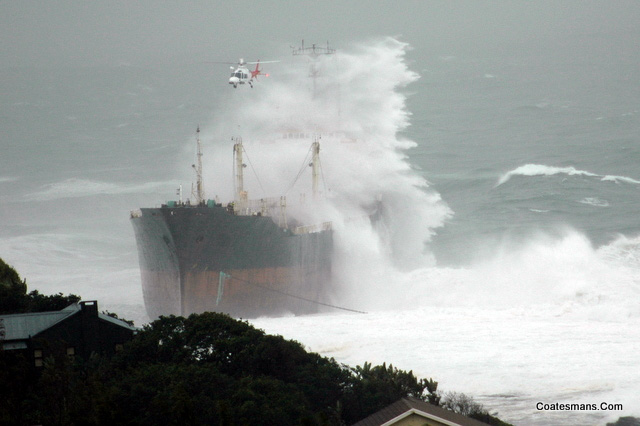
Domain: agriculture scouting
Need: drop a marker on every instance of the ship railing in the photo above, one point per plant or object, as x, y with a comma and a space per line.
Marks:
310, 229
261, 207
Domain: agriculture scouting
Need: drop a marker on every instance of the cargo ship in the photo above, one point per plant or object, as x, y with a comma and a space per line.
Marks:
245, 258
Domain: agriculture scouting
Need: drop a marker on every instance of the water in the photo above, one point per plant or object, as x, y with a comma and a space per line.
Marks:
522, 181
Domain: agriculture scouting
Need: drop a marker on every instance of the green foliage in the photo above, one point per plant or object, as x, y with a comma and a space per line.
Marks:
10, 278
12, 290
461, 403
37, 302
114, 315
208, 369
14, 298
261, 376
15, 398
379, 386
464, 404
626, 421
12, 301
204, 369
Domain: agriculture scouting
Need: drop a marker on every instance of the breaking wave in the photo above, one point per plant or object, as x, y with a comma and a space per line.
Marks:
550, 275
594, 201
542, 170
357, 109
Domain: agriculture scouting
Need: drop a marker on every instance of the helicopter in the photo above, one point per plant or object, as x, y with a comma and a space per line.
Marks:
240, 74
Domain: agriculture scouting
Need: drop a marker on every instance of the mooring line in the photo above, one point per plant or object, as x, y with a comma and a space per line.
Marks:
296, 297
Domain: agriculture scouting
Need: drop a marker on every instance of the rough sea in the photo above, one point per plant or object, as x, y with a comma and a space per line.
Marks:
508, 263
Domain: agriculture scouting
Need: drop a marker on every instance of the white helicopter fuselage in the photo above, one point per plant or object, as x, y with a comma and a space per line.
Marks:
240, 75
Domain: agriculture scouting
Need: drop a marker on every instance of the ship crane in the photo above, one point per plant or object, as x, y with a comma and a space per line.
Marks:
316, 168
241, 196
198, 191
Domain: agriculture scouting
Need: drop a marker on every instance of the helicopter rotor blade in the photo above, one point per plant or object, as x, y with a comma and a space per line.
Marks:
220, 62
261, 62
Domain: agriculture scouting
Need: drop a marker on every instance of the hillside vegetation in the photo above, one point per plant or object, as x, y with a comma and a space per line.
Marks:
205, 369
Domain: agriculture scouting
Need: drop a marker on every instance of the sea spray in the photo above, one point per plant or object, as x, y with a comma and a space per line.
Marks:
357, 112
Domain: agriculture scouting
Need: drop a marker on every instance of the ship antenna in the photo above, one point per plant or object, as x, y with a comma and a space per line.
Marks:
198, 192
313, 53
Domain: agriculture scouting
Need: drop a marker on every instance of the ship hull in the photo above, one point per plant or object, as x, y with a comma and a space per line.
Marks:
204, 258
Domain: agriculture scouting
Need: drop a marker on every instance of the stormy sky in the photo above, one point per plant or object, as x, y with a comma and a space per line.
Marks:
159, 33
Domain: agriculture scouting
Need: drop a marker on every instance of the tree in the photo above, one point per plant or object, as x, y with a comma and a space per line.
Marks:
465, 405
14, 298
256, 374
13, 290
204, 369
114, 315
374, 387
461, 404
626, 421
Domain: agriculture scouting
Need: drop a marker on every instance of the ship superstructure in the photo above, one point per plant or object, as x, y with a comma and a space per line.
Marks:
245, 258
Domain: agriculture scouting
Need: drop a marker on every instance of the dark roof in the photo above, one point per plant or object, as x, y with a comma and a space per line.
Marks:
409, 405
21, 327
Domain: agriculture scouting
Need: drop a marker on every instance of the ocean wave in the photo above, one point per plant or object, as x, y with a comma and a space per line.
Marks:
78, 188
621, 179
565, 275
4, 179
371, 111
544, 170
593, 201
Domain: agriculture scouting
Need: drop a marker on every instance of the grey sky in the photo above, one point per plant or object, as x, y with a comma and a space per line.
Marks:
148, 33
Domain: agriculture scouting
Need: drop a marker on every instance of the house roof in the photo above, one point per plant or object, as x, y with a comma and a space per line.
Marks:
117, 322
24, 326
409, 405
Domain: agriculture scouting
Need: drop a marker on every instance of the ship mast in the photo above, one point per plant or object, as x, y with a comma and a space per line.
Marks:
241, 196
198, 191
315, 167
313, 52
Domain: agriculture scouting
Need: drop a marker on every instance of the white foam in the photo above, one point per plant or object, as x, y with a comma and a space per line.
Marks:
548, 318
545, 316
358, 110
594, 201
543, 170
387, 266
620, 178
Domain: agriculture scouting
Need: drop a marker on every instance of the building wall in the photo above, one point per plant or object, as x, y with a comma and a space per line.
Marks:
80, 335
